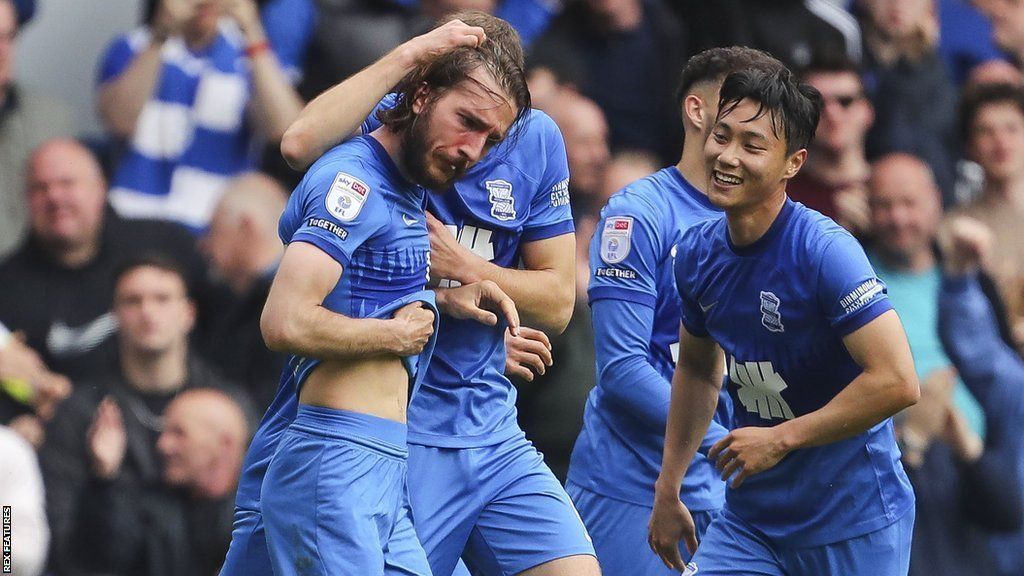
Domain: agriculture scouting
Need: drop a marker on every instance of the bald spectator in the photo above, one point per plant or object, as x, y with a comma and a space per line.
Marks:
57, 288
202, 445
243, 249
832, 180
100, 459
27, 118
992, 128
186, 95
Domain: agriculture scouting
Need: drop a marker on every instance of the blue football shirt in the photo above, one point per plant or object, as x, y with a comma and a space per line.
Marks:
355, 206
780, 308
518, 193
636, 326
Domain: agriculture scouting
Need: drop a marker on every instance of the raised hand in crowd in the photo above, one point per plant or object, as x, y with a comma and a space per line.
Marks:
966, 245
107, 440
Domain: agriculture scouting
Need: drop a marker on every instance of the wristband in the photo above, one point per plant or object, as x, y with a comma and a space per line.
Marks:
256, 48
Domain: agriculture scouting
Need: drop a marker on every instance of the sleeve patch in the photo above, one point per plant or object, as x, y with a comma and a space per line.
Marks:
861, 295
624, 273
346, 197
331, 227
560, 194
616, 239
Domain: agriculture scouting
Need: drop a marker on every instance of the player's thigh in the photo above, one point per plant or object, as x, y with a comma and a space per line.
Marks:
444, 493
247, 554
403, 555
528, 520
885, 551
328, 506
619, 532
730, 547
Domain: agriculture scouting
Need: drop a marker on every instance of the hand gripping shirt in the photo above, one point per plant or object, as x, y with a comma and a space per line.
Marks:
780, 308
636, 330
518, 193
356, 207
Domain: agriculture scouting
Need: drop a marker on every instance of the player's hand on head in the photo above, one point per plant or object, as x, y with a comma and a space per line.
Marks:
527, 354
482, 301
444, 38
747, 451
670, 524
107, 440
414, 324
966, 245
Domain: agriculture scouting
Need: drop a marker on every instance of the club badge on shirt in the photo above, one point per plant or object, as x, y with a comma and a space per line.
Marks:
615, 239
503, 205
346, 197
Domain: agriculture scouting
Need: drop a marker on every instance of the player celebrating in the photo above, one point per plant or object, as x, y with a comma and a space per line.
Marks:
817, 363
636, 328
347, 301
478, 488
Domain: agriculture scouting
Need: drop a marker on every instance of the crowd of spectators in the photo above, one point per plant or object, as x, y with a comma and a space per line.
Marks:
134, 267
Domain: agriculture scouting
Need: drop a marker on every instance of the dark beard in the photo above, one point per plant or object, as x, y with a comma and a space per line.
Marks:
415, 155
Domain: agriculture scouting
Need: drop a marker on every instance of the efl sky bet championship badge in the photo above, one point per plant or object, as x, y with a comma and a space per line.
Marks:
615, 239
346, 197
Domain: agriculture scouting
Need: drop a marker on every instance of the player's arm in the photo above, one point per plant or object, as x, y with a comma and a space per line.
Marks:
622, 337
337, 113
544, 291
294, 320
695, 386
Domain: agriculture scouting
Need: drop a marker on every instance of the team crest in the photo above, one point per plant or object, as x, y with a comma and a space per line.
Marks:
346, 197
503, 205
771, 318
615, 239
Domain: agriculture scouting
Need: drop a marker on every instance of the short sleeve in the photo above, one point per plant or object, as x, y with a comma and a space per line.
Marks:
550, 214
116, 59
849, 291
625, 251
691, 314
372, 122
340, 210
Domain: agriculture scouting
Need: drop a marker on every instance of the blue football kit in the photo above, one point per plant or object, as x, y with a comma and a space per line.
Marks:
479, 489
635, 305
323, 491
780, 308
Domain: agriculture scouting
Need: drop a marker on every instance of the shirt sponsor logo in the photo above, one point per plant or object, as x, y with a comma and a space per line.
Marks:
503, 205
861, 295
346, 197
560, 194
760, 389
771, 318
329, 226
624, 273
616, 239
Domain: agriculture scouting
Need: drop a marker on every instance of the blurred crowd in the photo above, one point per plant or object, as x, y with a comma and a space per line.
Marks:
135, 266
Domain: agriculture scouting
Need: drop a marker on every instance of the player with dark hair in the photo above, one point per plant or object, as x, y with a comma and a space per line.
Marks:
636, 328
817, 364
323, 490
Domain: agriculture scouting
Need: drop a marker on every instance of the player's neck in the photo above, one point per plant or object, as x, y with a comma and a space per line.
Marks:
691, 163
392, 144
748, 224
839, 167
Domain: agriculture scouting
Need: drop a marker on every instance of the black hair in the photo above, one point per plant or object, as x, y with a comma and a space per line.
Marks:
151, 260
976, 98
793, 106
831, 62
714, 64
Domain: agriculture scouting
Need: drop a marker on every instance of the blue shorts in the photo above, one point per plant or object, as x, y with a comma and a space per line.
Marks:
499, 507
619, 530
334, 499
731, 546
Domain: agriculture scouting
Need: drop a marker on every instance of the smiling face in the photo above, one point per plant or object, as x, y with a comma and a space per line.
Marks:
746, 159
455, 129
